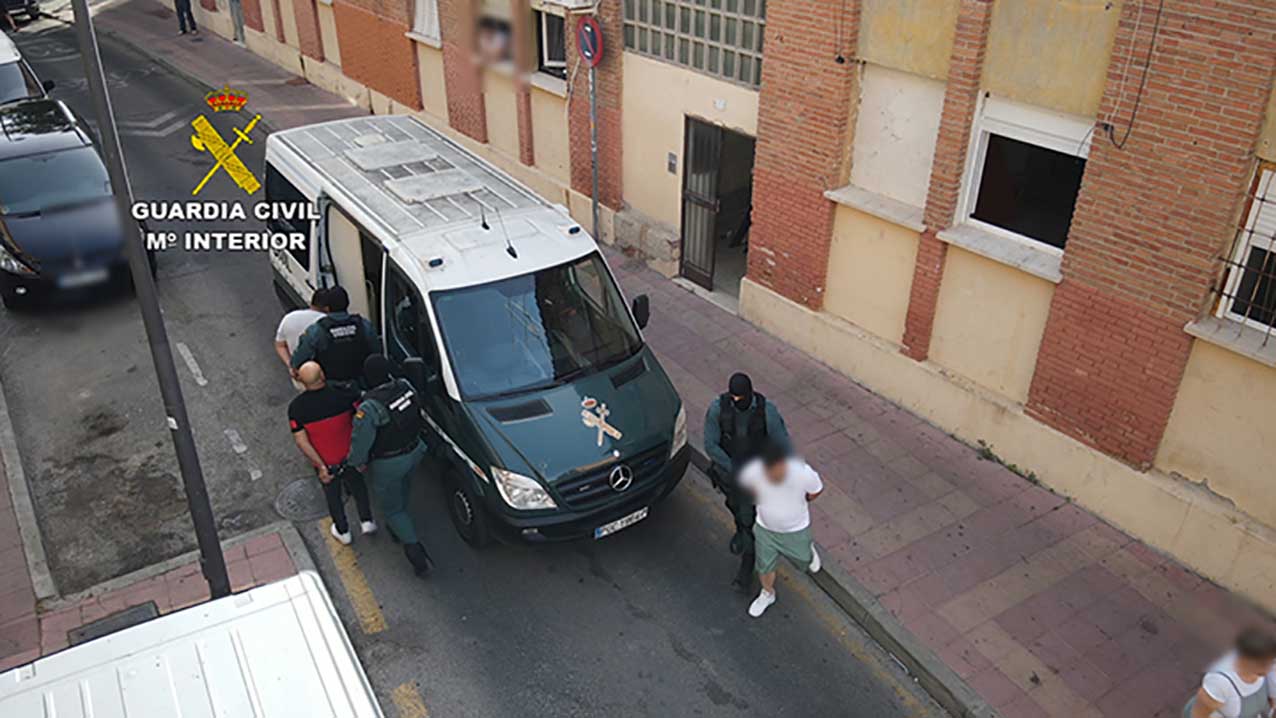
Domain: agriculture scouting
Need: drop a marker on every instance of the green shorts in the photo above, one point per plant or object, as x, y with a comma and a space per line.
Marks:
770, 545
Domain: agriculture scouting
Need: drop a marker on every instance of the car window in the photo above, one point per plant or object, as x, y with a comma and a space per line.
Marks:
14, 83
34, 88
36, 183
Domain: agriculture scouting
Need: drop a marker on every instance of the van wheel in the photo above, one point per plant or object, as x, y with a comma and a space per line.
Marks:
469, 517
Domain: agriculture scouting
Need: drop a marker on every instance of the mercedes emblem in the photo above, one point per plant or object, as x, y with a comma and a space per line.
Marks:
621, 478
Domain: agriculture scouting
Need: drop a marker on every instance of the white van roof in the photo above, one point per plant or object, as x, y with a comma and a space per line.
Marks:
277, 650
8, 51
414, 188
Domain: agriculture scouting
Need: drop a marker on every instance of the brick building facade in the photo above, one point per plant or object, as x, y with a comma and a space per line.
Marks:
1025, 221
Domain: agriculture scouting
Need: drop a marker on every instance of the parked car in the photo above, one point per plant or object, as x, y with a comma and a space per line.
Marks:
17, 80
59, 229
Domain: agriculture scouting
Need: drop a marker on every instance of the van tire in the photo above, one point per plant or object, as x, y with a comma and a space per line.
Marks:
469, 516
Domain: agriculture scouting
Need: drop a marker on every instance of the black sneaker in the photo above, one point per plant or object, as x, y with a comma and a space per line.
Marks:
418, 557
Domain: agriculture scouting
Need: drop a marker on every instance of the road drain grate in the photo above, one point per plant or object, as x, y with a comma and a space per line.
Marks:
301, 500
115, 622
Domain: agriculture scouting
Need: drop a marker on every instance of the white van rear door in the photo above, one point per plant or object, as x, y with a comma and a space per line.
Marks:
275, 651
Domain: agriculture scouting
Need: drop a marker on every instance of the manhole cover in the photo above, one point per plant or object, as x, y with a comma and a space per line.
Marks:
294, 81
302, 500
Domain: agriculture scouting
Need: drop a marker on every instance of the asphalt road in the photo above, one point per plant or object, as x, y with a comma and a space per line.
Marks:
641, 623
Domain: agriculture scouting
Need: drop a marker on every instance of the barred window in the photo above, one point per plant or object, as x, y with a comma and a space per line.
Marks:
719, 37
1249, 289
425, 21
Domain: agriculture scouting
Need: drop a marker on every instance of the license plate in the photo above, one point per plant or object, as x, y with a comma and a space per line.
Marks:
621, 523
82, 279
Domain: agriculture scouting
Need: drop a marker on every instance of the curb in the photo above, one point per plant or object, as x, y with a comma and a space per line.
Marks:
934, 676
292, 541
42, 583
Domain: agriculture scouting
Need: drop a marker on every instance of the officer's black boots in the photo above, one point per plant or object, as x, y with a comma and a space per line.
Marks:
418, 557
743, 581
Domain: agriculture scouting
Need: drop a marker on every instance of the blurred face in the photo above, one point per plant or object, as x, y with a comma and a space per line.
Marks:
1259, 666
775, 472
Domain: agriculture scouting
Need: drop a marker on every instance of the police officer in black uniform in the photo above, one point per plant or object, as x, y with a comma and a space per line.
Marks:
387, 440
736, 428
340, 342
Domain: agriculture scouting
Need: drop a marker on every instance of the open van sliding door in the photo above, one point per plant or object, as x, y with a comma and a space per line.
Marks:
358, 264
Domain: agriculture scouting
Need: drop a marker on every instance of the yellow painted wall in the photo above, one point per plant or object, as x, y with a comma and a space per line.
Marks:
870, 272
433, 89
502, 113
267, 19
549, 134
1051, 53
989, 323
657, 98
290, 23
327, 33
1220, 431
911, 35
1193, 525
1267, 140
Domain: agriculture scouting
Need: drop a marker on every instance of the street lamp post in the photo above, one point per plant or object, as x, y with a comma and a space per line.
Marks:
210, 553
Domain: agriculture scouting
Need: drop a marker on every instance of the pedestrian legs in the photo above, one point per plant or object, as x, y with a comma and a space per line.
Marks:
389, 480
358, 488
184, 15
336, 506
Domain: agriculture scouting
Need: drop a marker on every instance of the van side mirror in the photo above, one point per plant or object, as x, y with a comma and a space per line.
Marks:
642, 310
48, 85
414, 370
425, 381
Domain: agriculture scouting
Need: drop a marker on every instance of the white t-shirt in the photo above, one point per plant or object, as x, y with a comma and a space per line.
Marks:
782, 507
294, 324
1224, 692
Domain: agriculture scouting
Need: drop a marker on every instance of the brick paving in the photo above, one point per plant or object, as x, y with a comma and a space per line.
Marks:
1044, 609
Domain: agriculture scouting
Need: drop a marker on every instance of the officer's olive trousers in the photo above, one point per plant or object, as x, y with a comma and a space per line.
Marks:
391, 482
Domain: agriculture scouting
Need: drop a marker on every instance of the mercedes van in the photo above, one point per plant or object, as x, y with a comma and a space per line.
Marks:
553, 418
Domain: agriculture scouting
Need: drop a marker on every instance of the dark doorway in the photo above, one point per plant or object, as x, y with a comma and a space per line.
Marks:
717, 195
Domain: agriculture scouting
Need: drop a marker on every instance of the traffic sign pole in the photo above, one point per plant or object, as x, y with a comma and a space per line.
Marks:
589, 44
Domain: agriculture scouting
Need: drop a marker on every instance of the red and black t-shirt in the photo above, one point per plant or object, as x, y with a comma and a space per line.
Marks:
327, 416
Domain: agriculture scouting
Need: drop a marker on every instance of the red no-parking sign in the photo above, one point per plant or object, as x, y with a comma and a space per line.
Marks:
589, 40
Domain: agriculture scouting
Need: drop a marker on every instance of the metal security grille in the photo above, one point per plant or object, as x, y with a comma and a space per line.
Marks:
1248, 292
719, 37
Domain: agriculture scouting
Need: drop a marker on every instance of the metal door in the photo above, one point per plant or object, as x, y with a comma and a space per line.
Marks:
703, 155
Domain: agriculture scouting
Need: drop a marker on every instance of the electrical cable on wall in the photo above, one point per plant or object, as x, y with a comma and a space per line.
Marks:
1147, 67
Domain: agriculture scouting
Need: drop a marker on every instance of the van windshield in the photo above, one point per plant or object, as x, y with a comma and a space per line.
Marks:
536, 330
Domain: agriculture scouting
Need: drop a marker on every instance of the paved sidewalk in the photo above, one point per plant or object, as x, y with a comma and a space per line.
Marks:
1040, 607
31, 633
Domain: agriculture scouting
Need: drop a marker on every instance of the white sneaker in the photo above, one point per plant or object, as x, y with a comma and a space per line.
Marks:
815, 560
344, 538
761, 603
368, 527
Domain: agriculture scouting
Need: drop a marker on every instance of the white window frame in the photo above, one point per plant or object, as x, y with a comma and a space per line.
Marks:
543, 46
1056, 131
1265, 185
425, 20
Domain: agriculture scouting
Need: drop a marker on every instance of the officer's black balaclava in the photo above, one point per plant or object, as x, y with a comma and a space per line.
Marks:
376, 370
741, 386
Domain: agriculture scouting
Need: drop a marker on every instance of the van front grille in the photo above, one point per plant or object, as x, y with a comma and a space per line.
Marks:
589, 489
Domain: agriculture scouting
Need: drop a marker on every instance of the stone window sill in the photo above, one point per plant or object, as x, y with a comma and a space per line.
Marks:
1037, 259
1236, 337
878, 205
549, 83
431, 42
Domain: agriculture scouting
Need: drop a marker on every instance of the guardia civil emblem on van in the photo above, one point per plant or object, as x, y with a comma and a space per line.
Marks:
594, 416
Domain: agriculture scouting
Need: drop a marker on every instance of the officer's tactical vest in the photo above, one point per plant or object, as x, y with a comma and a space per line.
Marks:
401, 434
741, 448
342, 359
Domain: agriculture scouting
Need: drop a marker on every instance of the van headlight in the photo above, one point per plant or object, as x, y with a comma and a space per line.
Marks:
521, 492
679, 431
11, 264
